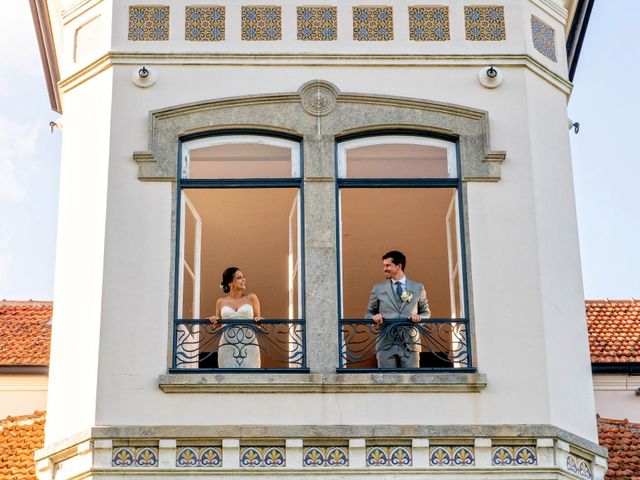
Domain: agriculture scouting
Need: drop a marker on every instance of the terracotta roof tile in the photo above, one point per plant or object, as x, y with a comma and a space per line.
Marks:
622, 439
20, 437
25, 333
614, 330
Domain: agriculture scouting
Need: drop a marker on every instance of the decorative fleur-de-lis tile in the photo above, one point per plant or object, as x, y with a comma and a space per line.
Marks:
502, 456
210, 457
187, 457
584, 469
122, 457
579, 466
463, 456
389, 456
204, 23
440, 456
325, 457
429, 23
544, 38
525, 456
147, 457
485, 22
148, 22
572, 464
262, 457
373, 23
262, 22
317, 23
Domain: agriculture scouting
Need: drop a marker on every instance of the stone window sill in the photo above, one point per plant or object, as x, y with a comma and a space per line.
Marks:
321, 382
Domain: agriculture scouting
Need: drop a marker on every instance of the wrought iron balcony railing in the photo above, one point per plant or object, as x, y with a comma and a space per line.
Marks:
441, 344
239, 345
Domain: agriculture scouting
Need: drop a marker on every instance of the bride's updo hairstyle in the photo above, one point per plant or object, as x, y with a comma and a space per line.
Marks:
227, 278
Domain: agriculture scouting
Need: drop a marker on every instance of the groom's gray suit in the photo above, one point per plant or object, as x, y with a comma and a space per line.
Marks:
397, 346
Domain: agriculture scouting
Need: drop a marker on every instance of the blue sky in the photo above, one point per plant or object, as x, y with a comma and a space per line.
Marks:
605, 157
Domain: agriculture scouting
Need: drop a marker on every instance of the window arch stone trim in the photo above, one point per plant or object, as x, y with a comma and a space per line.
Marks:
319, 113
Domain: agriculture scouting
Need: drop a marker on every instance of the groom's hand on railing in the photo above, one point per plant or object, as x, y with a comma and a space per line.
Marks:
378, 319
415, 318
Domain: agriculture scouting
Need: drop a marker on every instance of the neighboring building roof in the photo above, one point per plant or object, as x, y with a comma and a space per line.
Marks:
614, 330
622, 439
20, 437
25, 333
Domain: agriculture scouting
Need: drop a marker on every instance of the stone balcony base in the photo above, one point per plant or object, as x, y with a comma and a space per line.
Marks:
383, 451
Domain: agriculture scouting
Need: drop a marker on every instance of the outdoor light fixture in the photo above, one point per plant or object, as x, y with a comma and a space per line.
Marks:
490, 77
144, 77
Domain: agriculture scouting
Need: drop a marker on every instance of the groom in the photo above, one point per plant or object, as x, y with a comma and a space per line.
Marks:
397, 346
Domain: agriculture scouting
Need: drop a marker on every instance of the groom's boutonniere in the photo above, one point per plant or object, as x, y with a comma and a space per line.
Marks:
406, 296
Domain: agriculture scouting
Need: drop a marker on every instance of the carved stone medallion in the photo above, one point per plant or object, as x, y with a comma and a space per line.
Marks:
318, 97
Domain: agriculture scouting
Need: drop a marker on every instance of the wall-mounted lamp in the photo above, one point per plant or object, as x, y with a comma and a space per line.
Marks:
53, 124
490, 77
144, 77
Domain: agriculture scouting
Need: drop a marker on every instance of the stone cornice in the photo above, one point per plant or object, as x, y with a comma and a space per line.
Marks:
365, 60
78, 9
553, 9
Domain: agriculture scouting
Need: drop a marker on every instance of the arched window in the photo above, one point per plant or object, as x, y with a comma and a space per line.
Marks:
240, 205
401, 192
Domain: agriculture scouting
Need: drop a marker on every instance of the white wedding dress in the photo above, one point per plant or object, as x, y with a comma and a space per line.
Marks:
238, 344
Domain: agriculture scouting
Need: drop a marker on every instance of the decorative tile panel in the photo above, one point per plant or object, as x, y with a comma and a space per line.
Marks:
134, 457
262, 457
429, 23
325, 457
198, 457
204, 23
317, 23
513, 456
442, 456
544, 38
485, 22
391, 456
261, 22
148, 22
579, 466
372, 23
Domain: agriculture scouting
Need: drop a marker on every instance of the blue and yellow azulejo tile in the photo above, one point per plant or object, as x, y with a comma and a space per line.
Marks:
148, 22
325, 457
134, 457
198, 457
261, 22
204, 23
514, 456
544, 38
396, 456
262, 457
429, 23
485, 23
373, 23
317, 23
579, 466
442, 456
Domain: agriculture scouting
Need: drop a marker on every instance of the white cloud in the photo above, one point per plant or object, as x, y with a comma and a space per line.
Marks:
17, 151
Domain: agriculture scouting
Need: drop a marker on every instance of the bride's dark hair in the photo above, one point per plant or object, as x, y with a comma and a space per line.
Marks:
227, 278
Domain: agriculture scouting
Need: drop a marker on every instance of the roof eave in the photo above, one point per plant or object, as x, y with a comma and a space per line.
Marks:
631, 368
48, 55
577, 33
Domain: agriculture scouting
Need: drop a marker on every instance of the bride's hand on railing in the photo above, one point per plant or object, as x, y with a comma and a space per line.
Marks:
257, 319
213, 319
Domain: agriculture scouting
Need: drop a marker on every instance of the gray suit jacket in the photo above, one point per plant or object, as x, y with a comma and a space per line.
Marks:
383, 300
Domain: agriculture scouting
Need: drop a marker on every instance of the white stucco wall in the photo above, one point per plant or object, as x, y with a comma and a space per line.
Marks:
111, 335
22, 394
615, 396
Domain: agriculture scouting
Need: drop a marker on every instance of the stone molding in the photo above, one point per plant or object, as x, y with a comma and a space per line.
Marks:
322, 383
342, 114
94, 453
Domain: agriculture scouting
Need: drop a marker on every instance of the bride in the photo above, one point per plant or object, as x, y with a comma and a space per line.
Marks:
238, 343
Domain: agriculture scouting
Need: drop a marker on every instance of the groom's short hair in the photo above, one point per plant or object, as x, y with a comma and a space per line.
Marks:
396, 257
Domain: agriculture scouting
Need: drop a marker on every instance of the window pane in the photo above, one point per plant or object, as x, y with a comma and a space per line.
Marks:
255, 229
240, 157
412, 220
396, 157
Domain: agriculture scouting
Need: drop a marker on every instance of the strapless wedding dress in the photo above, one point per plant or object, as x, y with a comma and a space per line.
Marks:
238, 344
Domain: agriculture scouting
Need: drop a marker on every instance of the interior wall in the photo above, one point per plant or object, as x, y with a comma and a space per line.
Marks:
411, 220
246, 228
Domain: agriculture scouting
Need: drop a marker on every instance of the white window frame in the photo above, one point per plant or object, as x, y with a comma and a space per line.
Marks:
293, 146
344, 147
